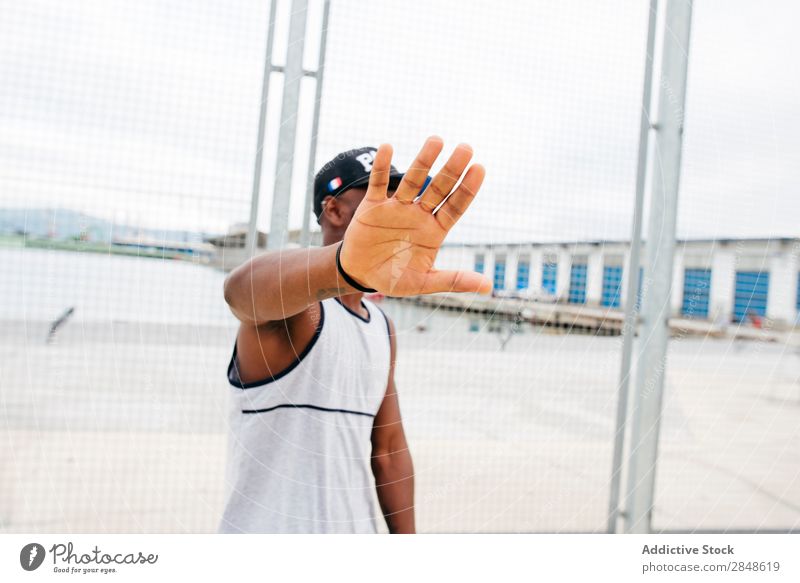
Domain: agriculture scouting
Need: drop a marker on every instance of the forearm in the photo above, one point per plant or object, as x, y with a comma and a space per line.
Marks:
394, 480
280, 284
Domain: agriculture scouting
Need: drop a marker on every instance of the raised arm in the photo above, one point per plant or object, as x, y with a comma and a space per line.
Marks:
280, 284
390, 245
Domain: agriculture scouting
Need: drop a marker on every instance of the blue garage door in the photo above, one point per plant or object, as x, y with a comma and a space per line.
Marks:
577, 283
612, 281
696, 293
500, 273
479, 263
523, 273
549, 275
798, 294
750, 294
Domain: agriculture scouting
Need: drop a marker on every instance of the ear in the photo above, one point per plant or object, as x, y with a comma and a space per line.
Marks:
333, 211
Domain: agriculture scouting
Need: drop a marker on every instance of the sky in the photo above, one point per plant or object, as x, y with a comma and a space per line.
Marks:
146, 112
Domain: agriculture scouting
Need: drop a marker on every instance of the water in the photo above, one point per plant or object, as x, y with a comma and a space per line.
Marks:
39, 284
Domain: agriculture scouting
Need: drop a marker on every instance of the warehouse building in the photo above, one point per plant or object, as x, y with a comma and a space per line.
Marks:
722, 280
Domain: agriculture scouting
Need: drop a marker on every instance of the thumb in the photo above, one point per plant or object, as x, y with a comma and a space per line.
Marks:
456, 281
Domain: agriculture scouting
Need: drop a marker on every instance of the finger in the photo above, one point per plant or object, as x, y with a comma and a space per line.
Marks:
416, 174
447, 178
458, 202
456, 281
379, 175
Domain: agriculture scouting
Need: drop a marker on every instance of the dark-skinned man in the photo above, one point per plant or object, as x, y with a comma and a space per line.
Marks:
315, 423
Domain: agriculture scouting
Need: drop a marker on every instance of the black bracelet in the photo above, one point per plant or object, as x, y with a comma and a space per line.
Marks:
349, 280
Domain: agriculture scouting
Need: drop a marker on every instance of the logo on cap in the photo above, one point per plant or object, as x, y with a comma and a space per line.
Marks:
366, 159
334, 184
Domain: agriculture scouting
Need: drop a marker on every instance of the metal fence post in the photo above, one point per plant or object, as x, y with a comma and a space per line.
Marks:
305, 233
652, 344
629, 325
252, 233
292, 77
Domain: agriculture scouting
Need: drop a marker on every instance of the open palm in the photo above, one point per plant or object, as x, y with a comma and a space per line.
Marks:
391, 243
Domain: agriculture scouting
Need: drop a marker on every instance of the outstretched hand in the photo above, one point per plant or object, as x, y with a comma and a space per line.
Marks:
391, 243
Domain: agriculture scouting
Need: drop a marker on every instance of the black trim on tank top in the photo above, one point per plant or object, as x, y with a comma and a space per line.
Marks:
233, 368
305, 406
356, 314
386, 318
388, 330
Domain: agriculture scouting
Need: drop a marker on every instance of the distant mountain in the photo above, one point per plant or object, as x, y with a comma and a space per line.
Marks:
61, 223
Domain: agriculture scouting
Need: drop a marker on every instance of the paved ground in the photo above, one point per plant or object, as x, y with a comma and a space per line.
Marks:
122, 429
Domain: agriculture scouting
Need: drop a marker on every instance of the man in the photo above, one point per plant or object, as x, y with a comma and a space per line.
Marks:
315, 423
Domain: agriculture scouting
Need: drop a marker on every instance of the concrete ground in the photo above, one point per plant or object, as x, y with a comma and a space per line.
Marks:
121, 428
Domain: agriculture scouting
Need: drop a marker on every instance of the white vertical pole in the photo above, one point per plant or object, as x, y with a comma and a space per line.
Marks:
305, 234
629, 326
292, 76
652, 344
251, 243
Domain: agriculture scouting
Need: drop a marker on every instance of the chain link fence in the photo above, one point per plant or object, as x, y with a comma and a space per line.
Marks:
127, 139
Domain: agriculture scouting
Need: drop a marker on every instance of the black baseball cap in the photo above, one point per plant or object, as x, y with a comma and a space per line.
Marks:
347, 170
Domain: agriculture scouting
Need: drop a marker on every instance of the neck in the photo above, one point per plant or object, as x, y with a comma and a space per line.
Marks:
352, 301
331, 236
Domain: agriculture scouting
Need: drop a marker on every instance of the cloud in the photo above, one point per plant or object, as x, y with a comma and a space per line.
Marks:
150, 109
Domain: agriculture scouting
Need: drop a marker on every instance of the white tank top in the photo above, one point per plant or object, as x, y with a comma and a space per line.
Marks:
299, 448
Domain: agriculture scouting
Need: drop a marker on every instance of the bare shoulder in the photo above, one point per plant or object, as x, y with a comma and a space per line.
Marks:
265, 350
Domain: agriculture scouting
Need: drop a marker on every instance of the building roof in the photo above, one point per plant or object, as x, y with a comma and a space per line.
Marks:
604, 242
